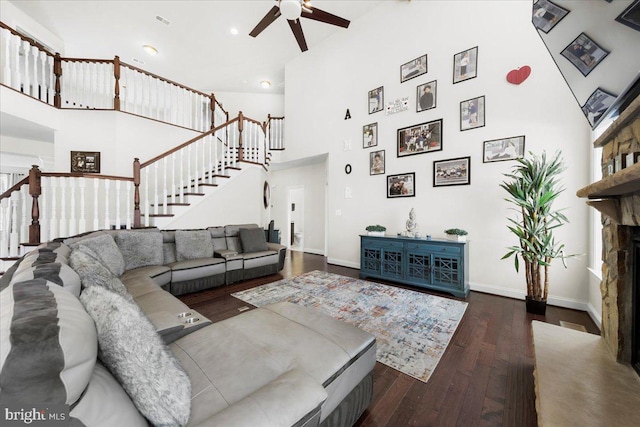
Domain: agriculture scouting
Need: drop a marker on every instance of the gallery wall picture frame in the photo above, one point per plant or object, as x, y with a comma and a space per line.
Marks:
370, 135
584, 53
419, 139
546, 15
376, 100
596, 105
465, 65
85, 162
452, 172
414, 68
472, 113
401, 185
426, 96
376, 162
631, 16
503, 149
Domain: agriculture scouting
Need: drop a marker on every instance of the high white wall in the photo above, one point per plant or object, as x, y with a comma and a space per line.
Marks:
323, 82
254, 105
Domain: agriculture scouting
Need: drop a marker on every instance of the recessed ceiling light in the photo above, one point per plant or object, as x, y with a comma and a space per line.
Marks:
265, 84
234, 31
152, 51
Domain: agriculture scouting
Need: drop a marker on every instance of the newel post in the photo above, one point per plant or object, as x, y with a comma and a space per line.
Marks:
116, 89
136, 193
240, 127
212, 107
57, 71
35, 189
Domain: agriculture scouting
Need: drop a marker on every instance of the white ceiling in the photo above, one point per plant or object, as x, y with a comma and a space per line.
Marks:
197, 48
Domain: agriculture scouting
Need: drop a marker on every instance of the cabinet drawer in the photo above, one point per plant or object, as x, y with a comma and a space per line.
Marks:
453, 250
383, 244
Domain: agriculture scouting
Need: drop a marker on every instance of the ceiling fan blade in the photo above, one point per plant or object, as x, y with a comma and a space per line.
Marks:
296, 29
326, 17
271, 16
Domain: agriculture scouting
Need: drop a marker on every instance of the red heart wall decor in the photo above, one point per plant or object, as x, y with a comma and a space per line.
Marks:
519, 75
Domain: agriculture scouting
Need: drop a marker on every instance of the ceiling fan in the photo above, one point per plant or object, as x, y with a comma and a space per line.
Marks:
293, 10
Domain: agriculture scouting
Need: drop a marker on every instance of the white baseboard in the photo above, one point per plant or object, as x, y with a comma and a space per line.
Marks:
595, 316
313, 251
343, 263
513, 293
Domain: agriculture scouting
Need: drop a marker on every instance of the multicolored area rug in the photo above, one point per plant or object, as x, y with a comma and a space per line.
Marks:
412, 329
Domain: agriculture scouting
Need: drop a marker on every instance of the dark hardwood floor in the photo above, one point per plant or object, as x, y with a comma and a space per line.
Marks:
485, 377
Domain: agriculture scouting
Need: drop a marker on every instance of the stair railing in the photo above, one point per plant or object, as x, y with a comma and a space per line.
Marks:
102, 84
275, 132
167, 179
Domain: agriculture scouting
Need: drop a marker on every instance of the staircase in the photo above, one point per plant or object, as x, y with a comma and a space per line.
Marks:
47, 205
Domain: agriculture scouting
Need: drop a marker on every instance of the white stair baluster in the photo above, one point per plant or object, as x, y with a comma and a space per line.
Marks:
210, 140
128, 204
196, 174
51, 84
6, 56
181, 188
203, 176
43, 203
73, 229
53, 220
215, 143
118, 220
155, 189
14, 237
34, 65
26, 78
165, 198
147, 206
62, 221
173, 178
15, 70
43, 76
189, 169
96, 206
26, 211
107, 195
82, 222
4, 227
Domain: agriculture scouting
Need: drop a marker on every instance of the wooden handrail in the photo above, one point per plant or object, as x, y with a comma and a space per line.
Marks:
31, 41
191, 141
97, 61
150, 74
15, 187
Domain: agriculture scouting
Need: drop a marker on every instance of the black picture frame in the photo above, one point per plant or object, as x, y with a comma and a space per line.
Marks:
85, 162
472, 113
503, 149
401, 185
414, 68
631, 16
465, 65
546, 15
419, 139
370, 135
376, 100
377, 162
596, 105
584, 53
422, 104
450, 172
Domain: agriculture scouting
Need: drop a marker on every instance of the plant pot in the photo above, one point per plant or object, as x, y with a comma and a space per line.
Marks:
375, 233
536, 306
457, 238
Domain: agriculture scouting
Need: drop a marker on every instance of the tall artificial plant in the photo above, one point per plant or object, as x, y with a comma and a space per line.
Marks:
533, 185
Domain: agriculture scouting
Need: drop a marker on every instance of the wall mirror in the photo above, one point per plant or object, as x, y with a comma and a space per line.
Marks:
595, 46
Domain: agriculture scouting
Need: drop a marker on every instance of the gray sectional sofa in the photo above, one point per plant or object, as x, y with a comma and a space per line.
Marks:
91, 322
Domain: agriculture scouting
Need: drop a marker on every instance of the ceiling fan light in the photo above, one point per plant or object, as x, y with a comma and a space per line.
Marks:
290, 9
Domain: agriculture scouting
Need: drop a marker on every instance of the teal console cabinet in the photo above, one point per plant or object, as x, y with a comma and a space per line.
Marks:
441, 265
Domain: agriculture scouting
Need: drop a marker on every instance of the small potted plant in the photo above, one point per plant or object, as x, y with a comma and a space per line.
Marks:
376, 230
456, 234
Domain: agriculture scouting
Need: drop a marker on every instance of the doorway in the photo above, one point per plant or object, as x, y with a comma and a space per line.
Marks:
295, 218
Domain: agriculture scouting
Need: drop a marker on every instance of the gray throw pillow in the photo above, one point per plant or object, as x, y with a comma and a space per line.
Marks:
253, 240
193, 244
92, 272
140, 248
130, 348
107, 250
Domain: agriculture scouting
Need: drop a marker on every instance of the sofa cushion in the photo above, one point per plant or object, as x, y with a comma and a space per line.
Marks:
260, 259
253, 240
59, 273
193, 244
105, 403
92, 272
140, 248
48, 344
217, 238
57, 247
107, 250
196, 269
137, 357
169, 252
154, 275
